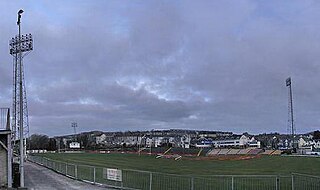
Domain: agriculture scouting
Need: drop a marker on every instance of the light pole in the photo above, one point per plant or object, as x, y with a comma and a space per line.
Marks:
151, 139
290, 105
140, 144
18, 45
74, 125
21, 105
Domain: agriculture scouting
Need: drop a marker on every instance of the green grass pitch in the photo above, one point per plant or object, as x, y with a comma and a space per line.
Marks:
265, 165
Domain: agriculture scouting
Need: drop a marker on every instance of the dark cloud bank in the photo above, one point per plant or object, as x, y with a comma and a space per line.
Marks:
141, 65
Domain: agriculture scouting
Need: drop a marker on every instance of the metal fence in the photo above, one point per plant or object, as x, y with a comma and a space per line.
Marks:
4, 119
144, 180
306, 182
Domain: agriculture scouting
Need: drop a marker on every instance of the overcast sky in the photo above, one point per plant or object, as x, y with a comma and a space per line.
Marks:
142, 65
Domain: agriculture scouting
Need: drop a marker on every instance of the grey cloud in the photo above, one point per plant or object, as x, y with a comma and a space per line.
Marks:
163, 64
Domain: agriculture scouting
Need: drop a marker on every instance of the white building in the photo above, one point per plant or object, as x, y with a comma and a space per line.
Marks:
302, 142
254, 143
204, 143
74, 145
100, 139
157, 141
232, 141
317, 144
185, 141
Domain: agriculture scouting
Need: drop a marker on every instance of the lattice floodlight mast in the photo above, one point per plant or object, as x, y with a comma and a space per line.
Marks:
20, 46
74, 125
290, 111
17, 48
18, 73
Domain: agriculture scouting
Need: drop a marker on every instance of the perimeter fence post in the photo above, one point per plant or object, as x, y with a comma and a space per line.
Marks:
150, 185
192, 183
94, 174
76, 171
66, 168
292, 182
232, 183
277, 182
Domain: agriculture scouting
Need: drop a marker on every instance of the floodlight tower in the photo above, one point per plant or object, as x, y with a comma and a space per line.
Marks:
74, 125
20, 46
290, 110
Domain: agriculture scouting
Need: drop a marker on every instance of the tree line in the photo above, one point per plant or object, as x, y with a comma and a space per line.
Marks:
41, 142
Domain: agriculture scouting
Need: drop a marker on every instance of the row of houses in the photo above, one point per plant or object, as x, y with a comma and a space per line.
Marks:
186, 139
155, 138
307, 145
178, 138
304, 143
237, 141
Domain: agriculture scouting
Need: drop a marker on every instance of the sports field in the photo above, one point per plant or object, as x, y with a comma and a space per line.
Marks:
263, 165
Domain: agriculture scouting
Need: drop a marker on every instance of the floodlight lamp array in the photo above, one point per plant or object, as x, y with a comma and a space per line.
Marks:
288, 81
18, 45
